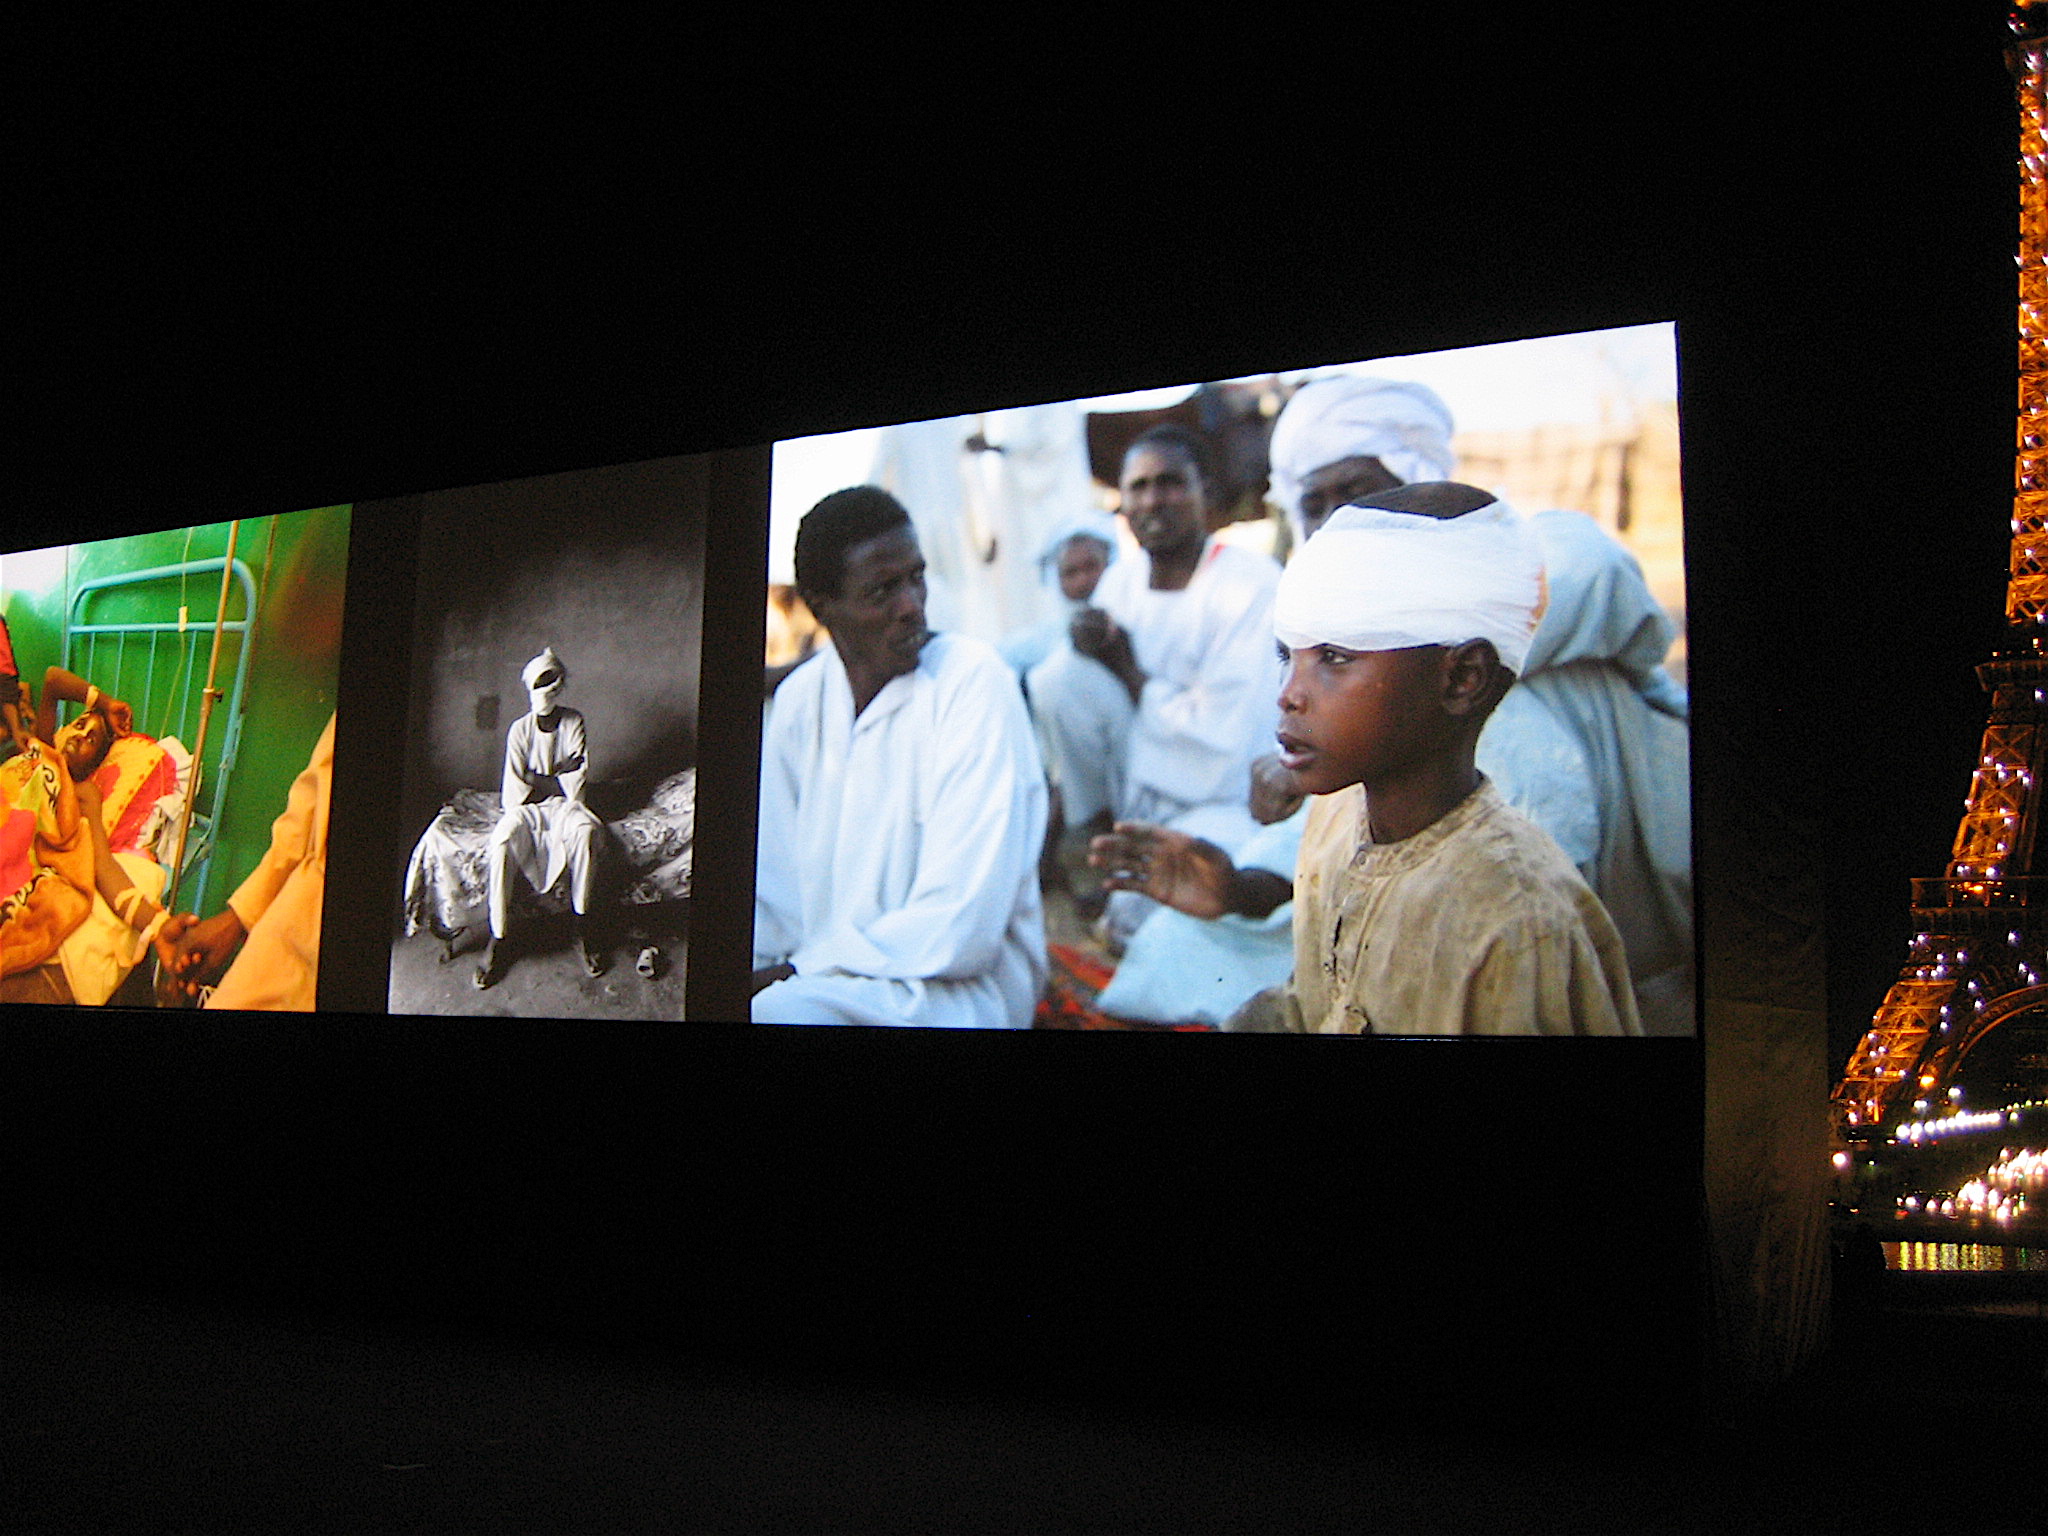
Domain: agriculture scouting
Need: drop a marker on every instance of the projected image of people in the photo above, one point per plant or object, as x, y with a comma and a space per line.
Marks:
550, 790
1224, 821
168, 757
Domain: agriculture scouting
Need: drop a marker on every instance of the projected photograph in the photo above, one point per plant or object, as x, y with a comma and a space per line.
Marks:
167, 714
548, 794
1342, 700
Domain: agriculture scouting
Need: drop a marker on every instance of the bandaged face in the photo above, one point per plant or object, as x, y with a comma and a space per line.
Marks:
1380, 580
544, 676
543, 690
1360, 717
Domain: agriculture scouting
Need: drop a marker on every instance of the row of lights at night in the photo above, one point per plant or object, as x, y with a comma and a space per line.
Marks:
1952, 1125
1974, 1120
1999, 1193
1971, 1200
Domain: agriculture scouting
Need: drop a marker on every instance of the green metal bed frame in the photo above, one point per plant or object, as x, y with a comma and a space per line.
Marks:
159, 666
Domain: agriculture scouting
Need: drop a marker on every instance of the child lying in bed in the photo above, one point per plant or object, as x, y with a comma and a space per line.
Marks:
54, 852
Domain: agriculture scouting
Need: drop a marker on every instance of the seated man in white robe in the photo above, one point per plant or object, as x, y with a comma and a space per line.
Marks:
1156, 708
902, 803
545, 828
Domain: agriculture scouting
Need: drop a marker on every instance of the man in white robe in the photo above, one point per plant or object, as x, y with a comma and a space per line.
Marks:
544, 828
1156, 708
1593, 743
902, 803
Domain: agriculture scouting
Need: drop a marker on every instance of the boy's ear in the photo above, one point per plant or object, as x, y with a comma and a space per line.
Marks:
1473, 678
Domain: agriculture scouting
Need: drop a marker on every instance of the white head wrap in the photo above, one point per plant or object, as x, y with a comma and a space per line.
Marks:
1405, 426
1372, 580
547, 658
1089, 525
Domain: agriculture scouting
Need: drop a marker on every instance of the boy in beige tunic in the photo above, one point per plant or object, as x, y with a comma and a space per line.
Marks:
1423, 903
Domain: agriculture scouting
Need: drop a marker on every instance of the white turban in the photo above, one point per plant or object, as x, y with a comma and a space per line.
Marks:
1098, 526
1372, 580
1405, 426
547, 658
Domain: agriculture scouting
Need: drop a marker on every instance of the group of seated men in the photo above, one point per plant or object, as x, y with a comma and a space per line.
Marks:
259, 952
1456, 804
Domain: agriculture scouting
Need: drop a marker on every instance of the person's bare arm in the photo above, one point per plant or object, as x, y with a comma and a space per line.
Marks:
62, 687
128, 900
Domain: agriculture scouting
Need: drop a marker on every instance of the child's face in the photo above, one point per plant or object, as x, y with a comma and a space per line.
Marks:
1081, 565
1359, 717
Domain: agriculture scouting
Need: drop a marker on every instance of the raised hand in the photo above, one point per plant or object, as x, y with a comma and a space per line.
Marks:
1186, 873
1100, 638
1276, 793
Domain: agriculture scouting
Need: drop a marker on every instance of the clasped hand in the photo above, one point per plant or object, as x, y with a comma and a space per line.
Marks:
192, 952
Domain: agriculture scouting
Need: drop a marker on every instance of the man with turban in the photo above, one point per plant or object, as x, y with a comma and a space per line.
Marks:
1344, 437
545, 828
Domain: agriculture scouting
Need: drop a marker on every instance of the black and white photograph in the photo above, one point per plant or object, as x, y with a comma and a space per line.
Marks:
548, 796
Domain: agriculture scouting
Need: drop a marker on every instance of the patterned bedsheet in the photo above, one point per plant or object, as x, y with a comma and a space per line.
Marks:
446, 882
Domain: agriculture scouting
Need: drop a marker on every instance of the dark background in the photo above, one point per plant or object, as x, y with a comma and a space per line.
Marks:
283, 294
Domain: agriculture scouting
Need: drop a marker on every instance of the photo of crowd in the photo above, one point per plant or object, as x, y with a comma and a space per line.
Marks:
1346, 700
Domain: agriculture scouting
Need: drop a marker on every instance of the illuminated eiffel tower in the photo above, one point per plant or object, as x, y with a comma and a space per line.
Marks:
1979, 956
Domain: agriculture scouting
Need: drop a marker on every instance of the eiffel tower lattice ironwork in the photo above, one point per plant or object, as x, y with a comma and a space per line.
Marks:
1980, 953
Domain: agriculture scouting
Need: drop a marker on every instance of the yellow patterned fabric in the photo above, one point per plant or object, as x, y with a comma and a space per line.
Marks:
46, 860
